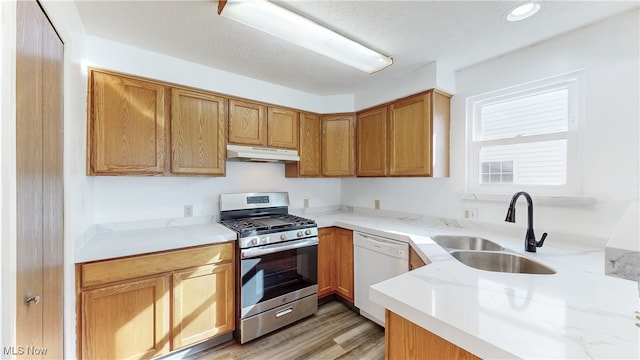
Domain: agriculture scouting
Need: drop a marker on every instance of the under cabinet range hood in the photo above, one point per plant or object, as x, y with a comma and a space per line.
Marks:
261, 154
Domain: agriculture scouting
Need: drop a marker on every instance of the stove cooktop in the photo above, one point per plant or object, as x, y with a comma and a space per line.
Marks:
257, 225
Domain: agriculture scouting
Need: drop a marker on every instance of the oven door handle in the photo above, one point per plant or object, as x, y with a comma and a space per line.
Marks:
270, 249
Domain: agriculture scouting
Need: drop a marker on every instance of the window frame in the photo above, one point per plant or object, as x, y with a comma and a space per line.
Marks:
575, 83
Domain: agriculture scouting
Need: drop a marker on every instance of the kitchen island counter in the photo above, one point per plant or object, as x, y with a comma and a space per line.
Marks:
576, 313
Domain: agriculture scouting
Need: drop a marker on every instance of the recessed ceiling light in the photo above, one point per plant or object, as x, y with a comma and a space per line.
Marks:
522, 11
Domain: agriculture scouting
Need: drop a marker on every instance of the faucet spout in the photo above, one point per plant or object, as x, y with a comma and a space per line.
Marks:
530, 243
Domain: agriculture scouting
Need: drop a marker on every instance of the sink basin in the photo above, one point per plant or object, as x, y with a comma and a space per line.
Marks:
454, 242
501, 262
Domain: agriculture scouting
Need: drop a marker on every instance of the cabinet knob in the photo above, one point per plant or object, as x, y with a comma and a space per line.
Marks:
32, 299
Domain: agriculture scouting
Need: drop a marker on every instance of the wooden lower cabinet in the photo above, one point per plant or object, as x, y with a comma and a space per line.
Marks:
414, 260
335, 262
343, 250
144, 306
406, 340
202, 303
325, 262
126, 321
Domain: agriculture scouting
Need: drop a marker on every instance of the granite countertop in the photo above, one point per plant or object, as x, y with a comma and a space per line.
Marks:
576, 313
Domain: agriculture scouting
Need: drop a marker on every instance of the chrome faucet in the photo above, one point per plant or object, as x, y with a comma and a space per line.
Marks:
530, 243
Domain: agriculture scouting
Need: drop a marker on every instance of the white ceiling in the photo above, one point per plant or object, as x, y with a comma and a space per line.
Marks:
456, 34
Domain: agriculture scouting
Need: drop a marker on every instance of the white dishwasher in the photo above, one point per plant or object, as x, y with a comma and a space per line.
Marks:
375, 259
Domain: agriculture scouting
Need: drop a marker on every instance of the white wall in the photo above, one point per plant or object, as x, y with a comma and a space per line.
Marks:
7, 174
141, 198
107, 54
415, 81
433, 75
118, 199
609, 51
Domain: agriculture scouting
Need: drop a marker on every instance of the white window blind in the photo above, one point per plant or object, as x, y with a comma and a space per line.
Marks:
524, 137
544, 113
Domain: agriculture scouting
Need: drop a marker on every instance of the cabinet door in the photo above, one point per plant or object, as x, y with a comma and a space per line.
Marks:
406, 340
372, 142
282, 128
247, 123
343, 245
126, 321
326, 262
338, 145
127, 125
309, 148
203, 305
410, 137
197, 133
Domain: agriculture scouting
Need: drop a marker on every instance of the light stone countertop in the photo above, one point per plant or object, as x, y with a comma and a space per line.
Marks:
576, 313
117, 240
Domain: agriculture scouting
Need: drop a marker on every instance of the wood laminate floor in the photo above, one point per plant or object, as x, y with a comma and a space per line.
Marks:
334, 332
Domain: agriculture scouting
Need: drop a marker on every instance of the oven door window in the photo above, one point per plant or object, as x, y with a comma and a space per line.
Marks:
269, 276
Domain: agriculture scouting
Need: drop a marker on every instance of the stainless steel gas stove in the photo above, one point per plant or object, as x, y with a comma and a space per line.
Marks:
278, 261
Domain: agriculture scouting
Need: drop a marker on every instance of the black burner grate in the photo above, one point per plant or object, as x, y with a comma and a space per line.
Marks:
266, 223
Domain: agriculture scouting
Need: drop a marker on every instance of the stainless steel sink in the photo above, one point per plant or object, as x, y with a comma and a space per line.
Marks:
501, 262
455, 242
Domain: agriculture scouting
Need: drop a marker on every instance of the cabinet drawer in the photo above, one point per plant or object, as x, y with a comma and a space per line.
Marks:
103, 272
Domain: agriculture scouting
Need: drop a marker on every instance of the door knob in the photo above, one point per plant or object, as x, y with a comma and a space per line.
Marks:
32, 299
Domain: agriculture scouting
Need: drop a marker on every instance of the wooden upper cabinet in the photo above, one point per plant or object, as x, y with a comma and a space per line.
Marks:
309, 148
256, 124
198, 132
338, 145
247, 124
372, 142
282, 128
419, 135
126, 131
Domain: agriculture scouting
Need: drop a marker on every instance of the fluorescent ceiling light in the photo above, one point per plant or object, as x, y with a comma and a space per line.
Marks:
522, 11
286, 25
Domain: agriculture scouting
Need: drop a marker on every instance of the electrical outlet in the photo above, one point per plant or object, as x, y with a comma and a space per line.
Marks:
470, 214
188, 210
306, 203
376, 204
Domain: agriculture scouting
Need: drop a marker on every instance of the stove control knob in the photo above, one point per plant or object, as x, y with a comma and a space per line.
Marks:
299, 234
307, 232
254, 241
283, 237
264, 240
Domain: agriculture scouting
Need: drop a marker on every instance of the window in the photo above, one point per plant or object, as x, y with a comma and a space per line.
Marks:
525, 137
